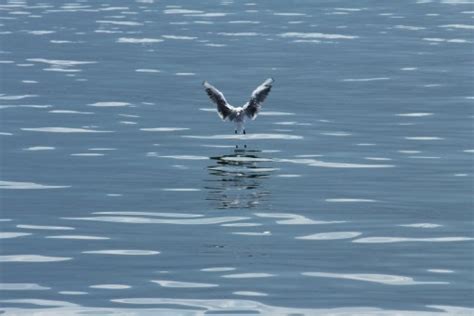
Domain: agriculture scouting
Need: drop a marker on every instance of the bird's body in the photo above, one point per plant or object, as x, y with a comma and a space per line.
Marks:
238, 115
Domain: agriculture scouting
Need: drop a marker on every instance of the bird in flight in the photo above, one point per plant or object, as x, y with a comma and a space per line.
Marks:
238, 115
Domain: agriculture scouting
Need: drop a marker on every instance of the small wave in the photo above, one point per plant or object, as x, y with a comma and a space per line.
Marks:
265, 233
62, 130
307, 41
366, 79
164, 129
244, 159
40, 32
293, 219
157, 214
109, 104
288, 175
114, 8
290, 123
215, 45
8, 235
440, 271
177, 284
376, 278
78, 237
181, 11
123, 252
423, 138
16, 97
247, 136
339, 134
126, 23
172, 221
409, 27
382, 240
69, 112
378, 158
275, 113
288, 14
345, 200
243, 22
32, 258
131, 40
416, 114
11, 185
208, 14
148, 70
184, 157
102, 149
39, 148
330, 236
424, 157
458, 26
22, 287
196, 22
409, 151
72, 293
249, 293
43, 227
315, 35
87, 155
325, 164
62, 42
178, 37
218, 269
181, 189
238, 34
57, 69
110, 286
421, 225
60, 62
40, 302
452, 40
248, 275
241, 225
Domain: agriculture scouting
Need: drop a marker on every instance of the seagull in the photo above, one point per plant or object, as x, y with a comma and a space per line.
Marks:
238, 115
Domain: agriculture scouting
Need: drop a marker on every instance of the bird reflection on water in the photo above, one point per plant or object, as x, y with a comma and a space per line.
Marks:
237, 179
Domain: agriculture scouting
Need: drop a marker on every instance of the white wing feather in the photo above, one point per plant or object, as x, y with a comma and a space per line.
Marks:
259, 95
224, 109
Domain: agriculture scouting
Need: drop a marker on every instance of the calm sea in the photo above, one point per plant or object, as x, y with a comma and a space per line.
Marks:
122, 191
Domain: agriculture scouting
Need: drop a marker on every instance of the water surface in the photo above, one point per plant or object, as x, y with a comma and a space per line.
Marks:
121, 189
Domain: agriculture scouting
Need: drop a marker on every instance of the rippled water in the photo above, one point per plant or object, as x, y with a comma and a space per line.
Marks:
122, 191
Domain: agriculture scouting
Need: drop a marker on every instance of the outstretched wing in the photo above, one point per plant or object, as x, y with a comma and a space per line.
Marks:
224, 109
258, 96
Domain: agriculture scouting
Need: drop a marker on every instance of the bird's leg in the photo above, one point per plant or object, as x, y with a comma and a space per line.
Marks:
244, 131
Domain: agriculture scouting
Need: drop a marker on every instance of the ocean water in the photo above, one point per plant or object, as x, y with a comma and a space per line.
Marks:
123, 192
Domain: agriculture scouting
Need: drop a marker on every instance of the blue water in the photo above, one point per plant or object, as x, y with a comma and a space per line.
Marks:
123, 191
